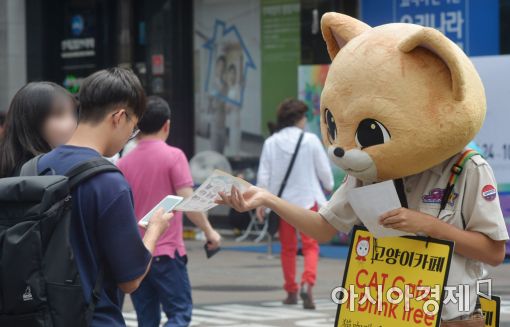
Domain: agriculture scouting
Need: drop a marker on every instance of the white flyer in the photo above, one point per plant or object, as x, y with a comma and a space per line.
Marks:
203, 198
370, 202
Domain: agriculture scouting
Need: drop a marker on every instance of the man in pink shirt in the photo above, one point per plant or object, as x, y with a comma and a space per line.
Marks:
154, 170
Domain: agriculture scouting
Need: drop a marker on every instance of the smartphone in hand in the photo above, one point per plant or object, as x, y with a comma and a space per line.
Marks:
168, 203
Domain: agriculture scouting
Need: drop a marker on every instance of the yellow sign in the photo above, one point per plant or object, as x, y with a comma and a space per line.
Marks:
393, 281
491, 308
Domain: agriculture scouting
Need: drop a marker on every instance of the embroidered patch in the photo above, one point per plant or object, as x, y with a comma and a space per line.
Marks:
436, 195
489, 192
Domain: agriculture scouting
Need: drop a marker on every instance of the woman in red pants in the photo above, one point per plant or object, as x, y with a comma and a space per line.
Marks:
303, 187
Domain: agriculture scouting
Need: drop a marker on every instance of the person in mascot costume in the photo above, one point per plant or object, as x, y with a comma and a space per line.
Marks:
401, 102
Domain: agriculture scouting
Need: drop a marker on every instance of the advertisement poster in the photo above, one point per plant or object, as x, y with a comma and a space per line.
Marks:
227, 77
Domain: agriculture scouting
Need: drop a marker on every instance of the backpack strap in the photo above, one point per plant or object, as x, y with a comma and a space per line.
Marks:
88, 169
455, 172
77, 175
96, 295
291, 164
30, 167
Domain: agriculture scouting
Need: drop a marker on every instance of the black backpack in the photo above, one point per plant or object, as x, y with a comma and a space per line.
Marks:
40, 283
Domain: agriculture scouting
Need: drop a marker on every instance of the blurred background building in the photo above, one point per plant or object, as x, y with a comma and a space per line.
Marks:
172, 46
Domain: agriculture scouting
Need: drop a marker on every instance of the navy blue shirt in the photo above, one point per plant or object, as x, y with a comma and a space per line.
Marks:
103, 230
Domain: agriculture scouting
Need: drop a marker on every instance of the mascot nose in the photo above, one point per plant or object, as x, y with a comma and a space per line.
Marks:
339, 152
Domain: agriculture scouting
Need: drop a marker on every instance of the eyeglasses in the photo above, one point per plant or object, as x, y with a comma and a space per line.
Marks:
135, 131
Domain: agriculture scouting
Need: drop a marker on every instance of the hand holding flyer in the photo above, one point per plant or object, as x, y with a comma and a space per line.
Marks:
203, 198
369, 202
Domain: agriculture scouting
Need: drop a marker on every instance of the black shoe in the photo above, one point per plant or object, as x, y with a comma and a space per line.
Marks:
306, 296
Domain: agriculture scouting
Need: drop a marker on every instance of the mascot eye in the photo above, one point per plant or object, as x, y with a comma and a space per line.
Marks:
371, 132
330, 122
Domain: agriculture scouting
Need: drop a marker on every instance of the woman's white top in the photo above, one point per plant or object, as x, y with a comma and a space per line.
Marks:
311, 168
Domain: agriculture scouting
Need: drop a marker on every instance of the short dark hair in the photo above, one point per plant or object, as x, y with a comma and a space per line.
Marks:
289, 113
104, 90
157, 113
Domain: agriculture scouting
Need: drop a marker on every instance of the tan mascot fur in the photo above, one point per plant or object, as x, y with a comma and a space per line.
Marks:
398, 99
401, 102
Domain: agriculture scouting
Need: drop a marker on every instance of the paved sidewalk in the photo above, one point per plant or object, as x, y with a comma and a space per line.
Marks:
244, 289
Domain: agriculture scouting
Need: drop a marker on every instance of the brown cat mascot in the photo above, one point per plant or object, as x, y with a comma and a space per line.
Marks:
401, 102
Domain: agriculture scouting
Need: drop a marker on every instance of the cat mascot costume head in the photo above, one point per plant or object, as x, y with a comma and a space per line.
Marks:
398, 99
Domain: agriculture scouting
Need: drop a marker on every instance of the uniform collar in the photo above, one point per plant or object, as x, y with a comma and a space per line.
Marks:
439, 169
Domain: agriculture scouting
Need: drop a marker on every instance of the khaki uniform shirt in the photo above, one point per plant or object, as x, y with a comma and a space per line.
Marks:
475, 199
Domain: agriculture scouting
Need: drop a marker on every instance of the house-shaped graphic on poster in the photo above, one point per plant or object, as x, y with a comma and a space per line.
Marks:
229, 62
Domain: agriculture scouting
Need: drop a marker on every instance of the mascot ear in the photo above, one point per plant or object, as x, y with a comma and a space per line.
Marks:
338, 29
434, 41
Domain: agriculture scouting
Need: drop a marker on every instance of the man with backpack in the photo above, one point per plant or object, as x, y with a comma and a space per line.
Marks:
69, 238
